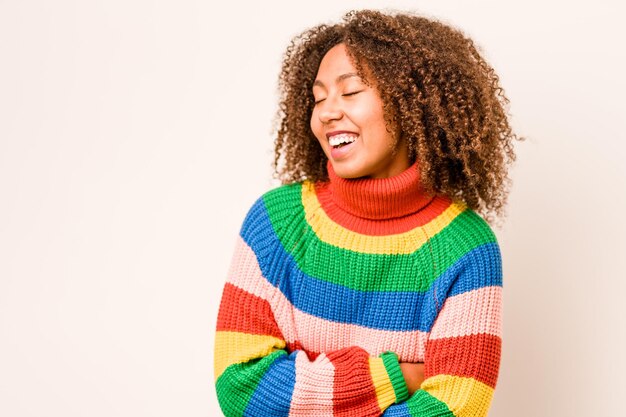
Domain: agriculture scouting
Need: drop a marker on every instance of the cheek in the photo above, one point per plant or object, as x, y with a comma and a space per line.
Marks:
315, 124
318, 131
370, 115
378, 114
373, 124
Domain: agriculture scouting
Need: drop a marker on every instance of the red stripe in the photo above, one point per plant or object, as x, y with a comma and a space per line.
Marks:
476, 356
354, 392
379, 227
293, 346
243, 312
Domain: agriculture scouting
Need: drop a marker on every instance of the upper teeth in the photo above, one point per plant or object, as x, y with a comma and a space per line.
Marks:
342, 138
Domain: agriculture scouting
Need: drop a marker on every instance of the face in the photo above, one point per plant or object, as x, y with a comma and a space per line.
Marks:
348, 121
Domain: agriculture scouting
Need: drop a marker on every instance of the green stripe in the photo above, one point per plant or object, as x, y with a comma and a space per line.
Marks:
362, 272
390, 360
237, 384
422, 404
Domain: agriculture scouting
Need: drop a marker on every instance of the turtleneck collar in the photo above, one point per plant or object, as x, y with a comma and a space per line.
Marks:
379, 198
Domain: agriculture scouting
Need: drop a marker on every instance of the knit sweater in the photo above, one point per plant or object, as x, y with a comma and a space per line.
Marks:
333, 283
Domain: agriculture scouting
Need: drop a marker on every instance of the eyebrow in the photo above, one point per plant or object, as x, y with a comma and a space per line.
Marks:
338, 79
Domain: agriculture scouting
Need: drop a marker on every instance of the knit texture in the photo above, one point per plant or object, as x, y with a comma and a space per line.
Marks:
332, 283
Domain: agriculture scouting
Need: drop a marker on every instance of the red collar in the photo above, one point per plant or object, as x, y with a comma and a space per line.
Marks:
379, 198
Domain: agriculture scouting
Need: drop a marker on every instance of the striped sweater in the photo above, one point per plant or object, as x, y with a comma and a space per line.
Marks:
333, 283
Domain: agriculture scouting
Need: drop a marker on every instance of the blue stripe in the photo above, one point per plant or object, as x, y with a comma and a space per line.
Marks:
272, 396
480, 267
421, 403
398, 311
397, 410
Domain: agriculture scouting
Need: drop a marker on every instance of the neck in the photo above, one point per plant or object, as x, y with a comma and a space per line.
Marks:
379, 198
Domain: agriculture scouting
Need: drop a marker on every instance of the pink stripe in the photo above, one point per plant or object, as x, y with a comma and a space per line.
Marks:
473, 312
316, 334
245, 272
319, 335
309, 395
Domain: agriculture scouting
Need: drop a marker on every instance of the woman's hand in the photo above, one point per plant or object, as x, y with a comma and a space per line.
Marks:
413, 375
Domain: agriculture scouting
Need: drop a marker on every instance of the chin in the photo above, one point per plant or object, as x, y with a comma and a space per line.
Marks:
346, 171
349, 176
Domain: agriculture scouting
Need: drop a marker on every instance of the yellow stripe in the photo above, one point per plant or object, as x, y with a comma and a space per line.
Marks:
234, 347
402, 243
465, 397
384, 390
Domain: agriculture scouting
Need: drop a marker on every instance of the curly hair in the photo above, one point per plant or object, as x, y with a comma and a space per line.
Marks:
434, 85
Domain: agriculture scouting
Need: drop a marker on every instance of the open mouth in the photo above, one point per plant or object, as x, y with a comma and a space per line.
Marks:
341, 140
341, 145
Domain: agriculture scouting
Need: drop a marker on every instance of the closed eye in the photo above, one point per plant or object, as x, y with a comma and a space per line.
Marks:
343, 95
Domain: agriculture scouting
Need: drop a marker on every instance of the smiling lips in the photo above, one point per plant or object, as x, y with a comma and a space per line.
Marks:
341, 137
341, 143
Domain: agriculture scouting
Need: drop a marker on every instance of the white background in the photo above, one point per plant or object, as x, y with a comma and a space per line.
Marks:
135, 134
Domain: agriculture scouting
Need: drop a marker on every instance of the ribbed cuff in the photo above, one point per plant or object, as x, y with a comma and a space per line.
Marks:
390, 360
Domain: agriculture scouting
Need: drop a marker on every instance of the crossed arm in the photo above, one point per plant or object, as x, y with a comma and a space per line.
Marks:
258, 375
413, 374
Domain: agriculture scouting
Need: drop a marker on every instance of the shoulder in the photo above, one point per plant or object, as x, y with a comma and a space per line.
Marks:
271, 214
478, 255
468, 226
274, 205
470, 242
283, 195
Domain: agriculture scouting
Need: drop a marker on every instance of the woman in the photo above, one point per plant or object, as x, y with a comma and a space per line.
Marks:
368, 284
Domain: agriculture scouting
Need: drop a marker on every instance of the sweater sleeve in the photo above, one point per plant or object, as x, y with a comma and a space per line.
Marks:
259, 371
462, 356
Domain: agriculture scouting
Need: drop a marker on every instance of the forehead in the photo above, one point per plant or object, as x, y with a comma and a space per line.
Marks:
336, 63
336, 58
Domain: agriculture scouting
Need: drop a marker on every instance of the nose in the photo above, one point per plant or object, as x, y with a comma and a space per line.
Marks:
329, 110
